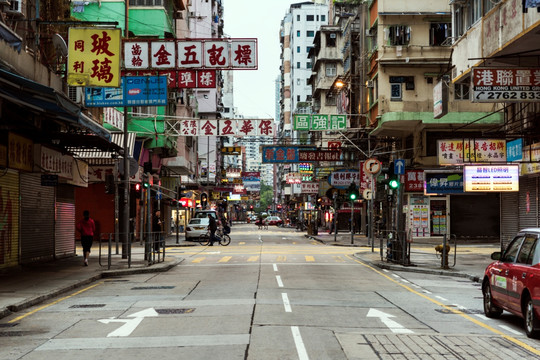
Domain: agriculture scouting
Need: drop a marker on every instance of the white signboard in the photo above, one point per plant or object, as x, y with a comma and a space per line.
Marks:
491, 178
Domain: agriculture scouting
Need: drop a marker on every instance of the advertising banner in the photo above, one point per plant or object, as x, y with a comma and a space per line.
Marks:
134, 91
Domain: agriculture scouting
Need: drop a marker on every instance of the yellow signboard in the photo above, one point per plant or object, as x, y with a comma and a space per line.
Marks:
94, 56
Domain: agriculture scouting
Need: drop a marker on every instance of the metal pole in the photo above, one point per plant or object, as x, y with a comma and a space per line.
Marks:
352, 221
125, 210
148, 223
177, 221
334, 219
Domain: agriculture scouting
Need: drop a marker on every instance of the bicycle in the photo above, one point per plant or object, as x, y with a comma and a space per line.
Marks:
220, 237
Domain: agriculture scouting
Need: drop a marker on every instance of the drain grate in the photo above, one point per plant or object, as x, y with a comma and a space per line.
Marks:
153, 288
174, 311
87, 306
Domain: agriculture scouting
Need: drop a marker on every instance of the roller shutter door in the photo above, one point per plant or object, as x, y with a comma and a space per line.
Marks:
476, 216
37, 219
65, 221
528, 202
9, 219
509, 217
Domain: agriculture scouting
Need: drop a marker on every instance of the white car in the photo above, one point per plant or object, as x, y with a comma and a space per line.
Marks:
198, 225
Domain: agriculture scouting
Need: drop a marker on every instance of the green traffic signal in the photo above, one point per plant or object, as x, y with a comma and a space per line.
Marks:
352, 196
393, 183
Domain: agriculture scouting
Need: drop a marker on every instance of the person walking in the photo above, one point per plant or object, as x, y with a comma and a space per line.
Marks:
156, 229
212, 226
86, 227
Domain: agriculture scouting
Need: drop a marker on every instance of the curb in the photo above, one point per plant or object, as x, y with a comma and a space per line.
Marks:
25, 304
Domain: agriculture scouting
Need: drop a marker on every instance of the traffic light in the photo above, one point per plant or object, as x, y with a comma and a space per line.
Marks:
138, 191
145, 181
352, 192
204, 200
393, 182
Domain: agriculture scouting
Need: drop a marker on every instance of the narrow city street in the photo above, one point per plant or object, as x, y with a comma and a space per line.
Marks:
271, 294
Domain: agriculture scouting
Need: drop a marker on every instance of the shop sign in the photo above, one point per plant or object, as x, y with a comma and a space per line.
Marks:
20, 152
531, 158
491, 178
319, 155
459, 151
55, 162
231, 150
343, 178
506, 85
227, 127
293, 178
113, 117
310, 188
94, 56
159, 54
133, 91
414, 180
443, 183
319, 122
514, 150
281, 154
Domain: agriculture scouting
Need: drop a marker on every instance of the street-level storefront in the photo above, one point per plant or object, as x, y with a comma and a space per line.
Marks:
9, 217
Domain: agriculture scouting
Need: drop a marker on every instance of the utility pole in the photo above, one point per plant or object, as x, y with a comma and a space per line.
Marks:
125, 209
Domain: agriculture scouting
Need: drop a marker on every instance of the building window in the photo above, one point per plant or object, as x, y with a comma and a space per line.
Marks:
298, 81
323, 18
310, 33
308, 65
144, 111
297, 97
298, 17
298, 33
298, 65
439, 32
330, 99
331, 69
298, 49
331, 40
475, 11
309, 48
461, 91
398, 35
146, 2
310, 18
395, 92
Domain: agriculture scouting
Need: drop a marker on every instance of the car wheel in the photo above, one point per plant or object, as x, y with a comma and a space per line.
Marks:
490, 309
531, 322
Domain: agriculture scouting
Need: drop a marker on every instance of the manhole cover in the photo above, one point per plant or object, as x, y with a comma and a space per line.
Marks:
174, 311
87, 306
152, 287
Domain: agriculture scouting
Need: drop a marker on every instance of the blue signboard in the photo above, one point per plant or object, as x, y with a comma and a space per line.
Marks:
282, 154
133, 91
514, 150
399, 167
444, 183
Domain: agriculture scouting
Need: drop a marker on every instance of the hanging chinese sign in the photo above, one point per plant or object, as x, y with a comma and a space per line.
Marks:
227, 127
319, 122
159, 54
182, 79
133, 91
281, 154
414, 180
310, 188
443, 182
94, 56
451, 152
505, 85
319, 155
343, 178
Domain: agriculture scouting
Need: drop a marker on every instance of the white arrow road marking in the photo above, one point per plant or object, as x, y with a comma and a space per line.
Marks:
129, 324
391, 324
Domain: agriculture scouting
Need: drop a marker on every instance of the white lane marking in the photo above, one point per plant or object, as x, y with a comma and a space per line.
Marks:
385, 270
260, 238
483, 317
396, 276
275, 267
129, 324
427, 292
441, 298
286, 302
300, 348
395, 327
509, 329
279, 282
405, 281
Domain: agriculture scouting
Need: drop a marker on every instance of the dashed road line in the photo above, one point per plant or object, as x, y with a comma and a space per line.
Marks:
286, 302
279, 282
300, 348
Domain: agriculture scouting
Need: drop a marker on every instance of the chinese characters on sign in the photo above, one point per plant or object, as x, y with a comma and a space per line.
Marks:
319, 122
227, 127
342, 179
414, 180
133, 91
491, 178
444, 183
280, 154
318, 155
190, 54
469, 150
310, 188
94, 56
505, 85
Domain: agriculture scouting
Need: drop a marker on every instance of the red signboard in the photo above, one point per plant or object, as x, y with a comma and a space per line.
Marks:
414, 180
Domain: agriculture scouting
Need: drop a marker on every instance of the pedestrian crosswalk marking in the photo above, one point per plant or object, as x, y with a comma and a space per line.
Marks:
242, 243
225, 259
198, 260
253, 258
310, 258
281, 258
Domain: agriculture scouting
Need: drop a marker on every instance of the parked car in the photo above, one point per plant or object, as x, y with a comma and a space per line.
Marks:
274, 220
198, 224
512, 282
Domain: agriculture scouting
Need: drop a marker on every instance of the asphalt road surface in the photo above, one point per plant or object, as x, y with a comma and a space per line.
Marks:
271, 294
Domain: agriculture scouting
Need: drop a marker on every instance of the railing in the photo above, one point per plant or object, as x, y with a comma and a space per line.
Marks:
395, 246
144, 253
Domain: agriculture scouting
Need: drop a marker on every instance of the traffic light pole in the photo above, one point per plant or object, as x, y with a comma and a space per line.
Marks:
352, 222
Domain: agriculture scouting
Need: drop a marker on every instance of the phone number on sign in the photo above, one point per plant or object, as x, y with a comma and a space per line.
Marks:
497, 96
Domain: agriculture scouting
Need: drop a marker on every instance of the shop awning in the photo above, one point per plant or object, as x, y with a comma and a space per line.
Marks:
11, 37
62, 121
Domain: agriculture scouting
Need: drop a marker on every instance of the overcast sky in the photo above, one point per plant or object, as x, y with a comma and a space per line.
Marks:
254, 90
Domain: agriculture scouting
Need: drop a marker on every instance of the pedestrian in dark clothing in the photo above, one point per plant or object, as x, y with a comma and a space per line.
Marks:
86, 227
212, 226
156, 229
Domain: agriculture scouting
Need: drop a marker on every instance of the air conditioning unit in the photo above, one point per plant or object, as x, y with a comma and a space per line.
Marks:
179, 15
17, 7
76, 94
332, 36
369, 84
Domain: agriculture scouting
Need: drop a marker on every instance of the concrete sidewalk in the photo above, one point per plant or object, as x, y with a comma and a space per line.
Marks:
30, 285
467, 259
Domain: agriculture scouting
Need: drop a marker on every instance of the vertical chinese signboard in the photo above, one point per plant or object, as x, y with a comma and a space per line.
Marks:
94, 56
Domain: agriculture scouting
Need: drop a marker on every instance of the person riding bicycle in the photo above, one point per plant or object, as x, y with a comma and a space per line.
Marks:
212, 226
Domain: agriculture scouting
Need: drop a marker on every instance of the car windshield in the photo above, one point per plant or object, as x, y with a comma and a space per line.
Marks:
204, 215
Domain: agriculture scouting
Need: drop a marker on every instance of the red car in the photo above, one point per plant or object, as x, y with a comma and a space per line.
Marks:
512, 282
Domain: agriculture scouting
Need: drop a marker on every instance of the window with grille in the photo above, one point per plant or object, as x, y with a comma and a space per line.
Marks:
331, 69
398, 35
461, 91
439, 32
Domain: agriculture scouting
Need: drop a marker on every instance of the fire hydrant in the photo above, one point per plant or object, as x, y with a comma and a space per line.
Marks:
444, 257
